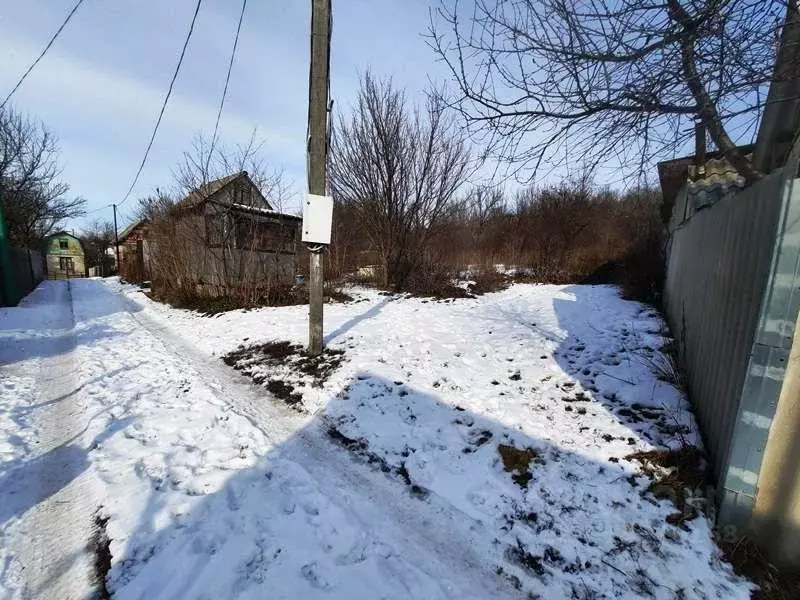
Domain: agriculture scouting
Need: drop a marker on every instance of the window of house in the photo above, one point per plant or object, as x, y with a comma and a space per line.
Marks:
244, 233
276, 237
215, 229
63, 244
65, 263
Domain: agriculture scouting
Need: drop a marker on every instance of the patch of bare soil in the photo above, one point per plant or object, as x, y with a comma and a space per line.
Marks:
360, 447
100, 545
520, 555
676, 475
283, 367
518, 461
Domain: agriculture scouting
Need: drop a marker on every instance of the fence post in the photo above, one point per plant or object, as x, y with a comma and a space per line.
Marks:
30, 270
9, 296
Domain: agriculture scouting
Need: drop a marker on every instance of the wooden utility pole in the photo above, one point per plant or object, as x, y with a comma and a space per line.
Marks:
319, 78
116, 237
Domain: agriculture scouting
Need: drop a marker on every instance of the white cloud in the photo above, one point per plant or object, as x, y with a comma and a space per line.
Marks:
64, 85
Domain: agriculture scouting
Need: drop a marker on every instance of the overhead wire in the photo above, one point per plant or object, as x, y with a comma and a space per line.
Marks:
225, 89
94, 210
163, 105
41, 56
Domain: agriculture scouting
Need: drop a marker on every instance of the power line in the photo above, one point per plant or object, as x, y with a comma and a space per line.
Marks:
227, 81
94, 210
41, 56
164, 105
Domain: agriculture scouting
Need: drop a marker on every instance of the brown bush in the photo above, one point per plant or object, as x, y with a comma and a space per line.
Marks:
431, 279
487, 280
569, 233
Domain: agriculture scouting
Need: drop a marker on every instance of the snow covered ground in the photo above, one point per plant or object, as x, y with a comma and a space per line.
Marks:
465, 449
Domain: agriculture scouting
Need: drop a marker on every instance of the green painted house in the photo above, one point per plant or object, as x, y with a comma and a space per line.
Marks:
65, 257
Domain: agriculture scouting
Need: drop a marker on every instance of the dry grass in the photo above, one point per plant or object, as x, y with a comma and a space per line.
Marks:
676, 475
666, 368
749, 561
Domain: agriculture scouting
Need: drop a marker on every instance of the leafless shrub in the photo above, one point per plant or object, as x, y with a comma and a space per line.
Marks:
432, 279
487, 280
396, 171
569, 233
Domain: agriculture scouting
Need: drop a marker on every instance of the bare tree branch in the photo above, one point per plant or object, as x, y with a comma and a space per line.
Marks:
34, 199
615, 80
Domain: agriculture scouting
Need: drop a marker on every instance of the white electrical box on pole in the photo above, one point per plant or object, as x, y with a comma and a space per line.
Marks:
317, 219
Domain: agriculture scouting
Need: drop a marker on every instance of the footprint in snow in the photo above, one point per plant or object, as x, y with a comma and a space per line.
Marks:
233, 497
312, 573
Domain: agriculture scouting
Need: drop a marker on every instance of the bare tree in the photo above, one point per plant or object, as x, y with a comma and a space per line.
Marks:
155, 206
34, 199
400, 169
205, 163
97, 239
608, 81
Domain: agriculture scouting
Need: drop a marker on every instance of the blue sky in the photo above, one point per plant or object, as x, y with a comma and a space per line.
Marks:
100, 87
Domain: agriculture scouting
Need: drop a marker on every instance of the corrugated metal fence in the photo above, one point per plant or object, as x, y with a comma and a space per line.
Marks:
27, 271
730, 297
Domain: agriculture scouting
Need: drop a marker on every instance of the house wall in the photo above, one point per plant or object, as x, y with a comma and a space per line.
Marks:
55, 252
226, 264
731, 297
183, 256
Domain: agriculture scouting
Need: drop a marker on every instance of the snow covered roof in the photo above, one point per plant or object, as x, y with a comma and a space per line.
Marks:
264, 211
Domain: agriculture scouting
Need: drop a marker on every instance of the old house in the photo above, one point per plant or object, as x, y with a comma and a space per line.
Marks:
65, 256
134, 252
225, 237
